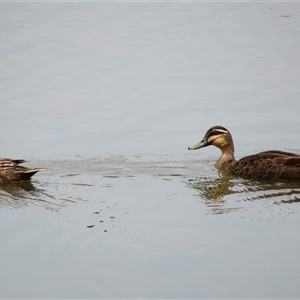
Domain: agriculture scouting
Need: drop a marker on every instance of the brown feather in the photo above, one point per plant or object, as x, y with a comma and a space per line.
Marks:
11, 171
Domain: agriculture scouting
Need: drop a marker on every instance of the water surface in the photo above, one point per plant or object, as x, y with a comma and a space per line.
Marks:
108, 96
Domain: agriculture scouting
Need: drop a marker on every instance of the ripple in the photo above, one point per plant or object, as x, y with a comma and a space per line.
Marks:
224, 193
67, 182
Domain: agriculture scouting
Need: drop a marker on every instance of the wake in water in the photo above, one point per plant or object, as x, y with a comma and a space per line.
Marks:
72, 181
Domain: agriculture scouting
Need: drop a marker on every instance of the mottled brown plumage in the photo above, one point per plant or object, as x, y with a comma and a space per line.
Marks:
268, 164
11, 171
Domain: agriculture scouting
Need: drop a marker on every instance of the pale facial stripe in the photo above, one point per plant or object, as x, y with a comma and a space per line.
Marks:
215, 134
218, 131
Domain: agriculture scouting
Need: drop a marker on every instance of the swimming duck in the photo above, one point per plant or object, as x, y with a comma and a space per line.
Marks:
268, 164
11, 171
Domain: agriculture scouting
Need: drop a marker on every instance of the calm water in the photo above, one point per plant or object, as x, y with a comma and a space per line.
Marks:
108, 96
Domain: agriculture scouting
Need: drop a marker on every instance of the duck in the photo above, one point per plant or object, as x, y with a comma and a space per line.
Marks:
10, 170
272, 164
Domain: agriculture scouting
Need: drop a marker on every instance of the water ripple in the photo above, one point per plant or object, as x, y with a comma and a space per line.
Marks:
225, 193
81, 180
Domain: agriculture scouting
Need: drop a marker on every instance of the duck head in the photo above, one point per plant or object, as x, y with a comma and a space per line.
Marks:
218, 136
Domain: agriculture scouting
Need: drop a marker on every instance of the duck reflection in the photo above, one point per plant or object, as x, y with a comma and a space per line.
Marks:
212, 188
12, 193
225, 192
18, 188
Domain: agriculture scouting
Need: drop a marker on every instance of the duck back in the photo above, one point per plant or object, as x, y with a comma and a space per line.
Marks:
269, 165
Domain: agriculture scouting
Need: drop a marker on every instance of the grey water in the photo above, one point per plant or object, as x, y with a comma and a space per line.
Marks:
108, 97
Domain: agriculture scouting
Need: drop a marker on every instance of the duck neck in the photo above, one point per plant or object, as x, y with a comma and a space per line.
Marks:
227, 158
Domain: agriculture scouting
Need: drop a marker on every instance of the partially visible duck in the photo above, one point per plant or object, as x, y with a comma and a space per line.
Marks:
11, 171
270, 164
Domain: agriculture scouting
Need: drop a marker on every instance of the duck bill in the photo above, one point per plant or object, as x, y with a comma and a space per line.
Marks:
199, 145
